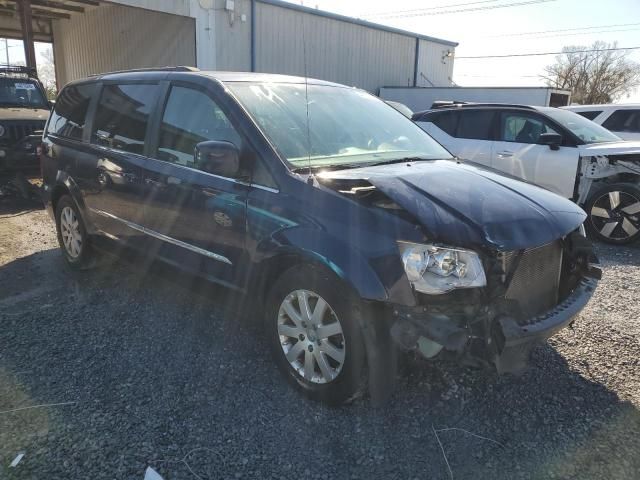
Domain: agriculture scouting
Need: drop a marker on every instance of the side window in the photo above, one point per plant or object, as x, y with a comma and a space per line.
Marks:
69, 115
591, 114
446, 121
523, 128
122, 116
623, 121
191, 117
475, 124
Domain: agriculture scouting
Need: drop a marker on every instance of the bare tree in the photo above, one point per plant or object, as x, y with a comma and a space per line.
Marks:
598, 75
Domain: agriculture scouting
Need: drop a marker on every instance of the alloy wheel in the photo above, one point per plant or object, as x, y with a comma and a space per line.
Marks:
311, 336
70, 231
616, 215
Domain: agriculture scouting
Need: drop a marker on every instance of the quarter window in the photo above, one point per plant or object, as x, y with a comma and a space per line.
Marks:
475, 124
590, 114
623, 121
69, 115
122, 116
189, 118
520, 128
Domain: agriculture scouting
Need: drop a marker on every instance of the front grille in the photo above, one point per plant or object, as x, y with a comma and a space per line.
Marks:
536, 280
16, 131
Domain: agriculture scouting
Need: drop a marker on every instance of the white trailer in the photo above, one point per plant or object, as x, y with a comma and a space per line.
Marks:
421, 98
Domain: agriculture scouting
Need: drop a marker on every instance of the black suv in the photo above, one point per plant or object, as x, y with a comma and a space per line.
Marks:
23, 113
351, 228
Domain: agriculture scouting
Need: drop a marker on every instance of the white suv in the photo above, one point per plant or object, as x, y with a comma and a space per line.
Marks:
623, 120
553, 148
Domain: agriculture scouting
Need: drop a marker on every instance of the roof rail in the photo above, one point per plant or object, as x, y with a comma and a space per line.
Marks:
30, 72
178, 68
458, 104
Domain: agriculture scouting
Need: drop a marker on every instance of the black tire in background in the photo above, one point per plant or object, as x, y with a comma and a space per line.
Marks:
350, 375
614, 213
80, 254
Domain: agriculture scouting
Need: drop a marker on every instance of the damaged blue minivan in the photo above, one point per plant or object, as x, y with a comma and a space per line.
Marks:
356, 234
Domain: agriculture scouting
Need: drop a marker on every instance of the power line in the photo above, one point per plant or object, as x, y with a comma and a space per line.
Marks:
539, 54
396, 12
422, 13
519, 34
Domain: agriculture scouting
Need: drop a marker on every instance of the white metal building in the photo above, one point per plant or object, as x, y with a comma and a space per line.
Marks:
93, 36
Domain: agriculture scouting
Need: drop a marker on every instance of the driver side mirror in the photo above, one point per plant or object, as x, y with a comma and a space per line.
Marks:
554, 140
217, 157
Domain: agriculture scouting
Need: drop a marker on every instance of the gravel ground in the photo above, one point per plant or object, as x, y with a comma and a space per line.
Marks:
162, 372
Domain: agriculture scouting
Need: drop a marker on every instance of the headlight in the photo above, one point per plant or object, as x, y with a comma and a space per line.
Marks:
434, 270
2, 131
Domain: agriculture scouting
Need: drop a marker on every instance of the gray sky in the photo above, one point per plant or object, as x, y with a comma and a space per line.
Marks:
484, 30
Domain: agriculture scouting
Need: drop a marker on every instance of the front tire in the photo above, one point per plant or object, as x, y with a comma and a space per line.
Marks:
314, 333
72, 234
614, 214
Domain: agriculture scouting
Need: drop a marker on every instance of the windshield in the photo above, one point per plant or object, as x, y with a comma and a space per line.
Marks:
345, 126
19, 92
586, 130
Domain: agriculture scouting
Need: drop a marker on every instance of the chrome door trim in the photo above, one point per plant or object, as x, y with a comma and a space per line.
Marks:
220, 177
165, 238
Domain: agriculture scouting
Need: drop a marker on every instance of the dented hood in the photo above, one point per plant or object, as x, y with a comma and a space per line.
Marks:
465, 205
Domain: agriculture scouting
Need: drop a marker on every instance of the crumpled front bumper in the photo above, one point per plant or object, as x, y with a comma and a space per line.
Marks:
504, 342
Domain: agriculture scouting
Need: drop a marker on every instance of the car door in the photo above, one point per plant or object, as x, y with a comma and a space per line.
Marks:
516, 151
198, 219
112, 175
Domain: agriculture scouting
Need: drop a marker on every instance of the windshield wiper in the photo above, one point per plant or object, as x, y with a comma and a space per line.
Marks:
399, 160
335, 166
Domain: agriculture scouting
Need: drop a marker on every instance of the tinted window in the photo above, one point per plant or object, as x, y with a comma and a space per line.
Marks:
623, 121
445, 121
19, 92
523, 128
189, 118
69, 116
591, 114
122, 116
475, 124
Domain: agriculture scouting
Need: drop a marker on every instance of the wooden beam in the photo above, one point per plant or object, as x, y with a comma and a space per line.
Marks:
24, 8
35, 12
57, 6
89, 3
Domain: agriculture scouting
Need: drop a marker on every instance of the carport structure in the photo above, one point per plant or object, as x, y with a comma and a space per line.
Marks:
91, 36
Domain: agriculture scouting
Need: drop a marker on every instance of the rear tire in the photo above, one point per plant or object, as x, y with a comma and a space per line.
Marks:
319, 349
614, 214
72, 235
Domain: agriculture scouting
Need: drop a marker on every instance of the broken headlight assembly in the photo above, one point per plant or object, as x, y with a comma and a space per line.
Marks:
434, 269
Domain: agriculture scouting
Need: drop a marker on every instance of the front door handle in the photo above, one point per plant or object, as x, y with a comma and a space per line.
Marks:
505, 154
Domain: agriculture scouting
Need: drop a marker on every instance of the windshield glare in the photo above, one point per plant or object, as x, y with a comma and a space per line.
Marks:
586, 130
21, 93
345, 126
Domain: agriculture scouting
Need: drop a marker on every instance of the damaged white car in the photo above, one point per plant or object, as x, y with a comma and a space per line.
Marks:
556, 149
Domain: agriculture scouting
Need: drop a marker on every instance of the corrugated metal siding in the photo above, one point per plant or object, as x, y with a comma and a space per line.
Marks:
233, 36
432, 70
336, 51
177, 7
114, 37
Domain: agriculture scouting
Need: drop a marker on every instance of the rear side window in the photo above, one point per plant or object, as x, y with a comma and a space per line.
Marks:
69, 115
122, 116
189, 118
623, 121
590, 114
475, 124
446, 121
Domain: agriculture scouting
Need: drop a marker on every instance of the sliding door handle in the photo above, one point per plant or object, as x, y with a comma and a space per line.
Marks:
505, 154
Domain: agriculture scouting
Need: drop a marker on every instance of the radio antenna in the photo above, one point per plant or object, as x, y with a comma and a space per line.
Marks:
310, 178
